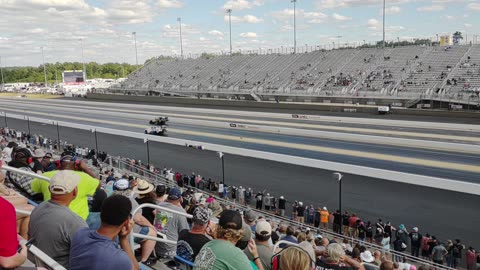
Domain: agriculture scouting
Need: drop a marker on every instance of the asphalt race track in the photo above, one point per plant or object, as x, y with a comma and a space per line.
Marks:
447, 215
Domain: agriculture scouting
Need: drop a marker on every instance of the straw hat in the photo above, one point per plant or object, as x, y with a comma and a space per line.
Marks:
143, 187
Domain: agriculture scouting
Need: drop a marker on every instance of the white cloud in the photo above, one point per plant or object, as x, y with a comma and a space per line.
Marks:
169, 4
373, 24
242, 4
449, 17
474, 6
327, 4
431, 8
310, 17
248, 35
244, 19
376, 25
215, 33
339, 17
468, 25
392, 10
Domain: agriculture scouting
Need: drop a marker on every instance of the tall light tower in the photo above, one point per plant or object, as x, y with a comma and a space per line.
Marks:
294, 26
181, 41
383, 43
135, 40
83, 62
44, 68
229, 11
1, 72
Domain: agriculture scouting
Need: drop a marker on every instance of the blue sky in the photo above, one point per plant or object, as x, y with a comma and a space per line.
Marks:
105, 27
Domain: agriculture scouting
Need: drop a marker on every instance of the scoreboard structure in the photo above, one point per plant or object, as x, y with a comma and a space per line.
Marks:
73, 77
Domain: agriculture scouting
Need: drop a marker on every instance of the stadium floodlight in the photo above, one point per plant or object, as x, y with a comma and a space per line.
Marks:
135, 40
179, 20
229, 12
338, 177
44, 68
294, 25
383, 24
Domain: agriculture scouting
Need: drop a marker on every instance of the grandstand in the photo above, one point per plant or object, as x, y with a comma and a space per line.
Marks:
408, 74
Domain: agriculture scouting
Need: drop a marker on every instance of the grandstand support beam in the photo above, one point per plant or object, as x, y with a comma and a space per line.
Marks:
135, 41
294, 26
229, 11
58, 137
221, 155
383, 42
83, 64
6, 122
28, 125
44, 68
181, 41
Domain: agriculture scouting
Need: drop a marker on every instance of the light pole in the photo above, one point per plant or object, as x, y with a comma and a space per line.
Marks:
338, 177
383, 43
28, 125
135, 40
44, 68
294, 26
229, 11
181, 41
83, 63
5, 117
94, 131
148, 151
1, 72
221, 155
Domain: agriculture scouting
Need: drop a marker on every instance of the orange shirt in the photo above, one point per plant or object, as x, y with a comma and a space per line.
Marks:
324, 216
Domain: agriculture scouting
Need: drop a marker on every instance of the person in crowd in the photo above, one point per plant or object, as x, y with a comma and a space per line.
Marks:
259, 200
221, 253
93, 219
281, 206
170, 224
7, 151
324, 215
387, 265
402, 233
377, 255
426, 246
352, 224
47, 163
191, 241
9, 240
334, 258
456, 253
301, 213
263, 233
470, 254
145, 194
96, 249
141, 224
345, 223
438, 253
161, 193
289, 236
367, 257
21, 159
52, 223
38, 155
415, 241
369, 232
386, 242
86, 187
293, 257
249, 217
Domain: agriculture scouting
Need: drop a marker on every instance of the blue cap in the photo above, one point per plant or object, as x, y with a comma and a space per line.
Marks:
174, 194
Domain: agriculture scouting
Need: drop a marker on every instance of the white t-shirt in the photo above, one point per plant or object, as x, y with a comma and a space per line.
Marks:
220, 188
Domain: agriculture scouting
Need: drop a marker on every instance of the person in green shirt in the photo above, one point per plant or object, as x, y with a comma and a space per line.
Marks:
86, 187
221, 253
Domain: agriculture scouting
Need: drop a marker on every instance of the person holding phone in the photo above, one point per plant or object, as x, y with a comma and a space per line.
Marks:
9, 240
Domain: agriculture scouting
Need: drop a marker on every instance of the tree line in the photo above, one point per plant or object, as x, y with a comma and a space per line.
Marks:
54, 71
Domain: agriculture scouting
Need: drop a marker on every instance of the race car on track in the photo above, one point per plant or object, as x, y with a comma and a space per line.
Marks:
156, 130
159, 121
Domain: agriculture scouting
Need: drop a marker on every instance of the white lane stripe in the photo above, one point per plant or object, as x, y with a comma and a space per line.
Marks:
316, 118
407, 178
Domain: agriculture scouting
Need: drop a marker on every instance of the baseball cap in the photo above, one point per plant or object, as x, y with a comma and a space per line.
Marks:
39, 153
201, 215
230, 219
263, 228
174, 194
250, 216
63, 182
48, 155
121, 184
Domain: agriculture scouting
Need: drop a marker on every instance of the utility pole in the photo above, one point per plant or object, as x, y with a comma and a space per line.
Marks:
229, 11
294, 26
181, 41
44, 68
383, 43
136, 54
83, 63
1, 72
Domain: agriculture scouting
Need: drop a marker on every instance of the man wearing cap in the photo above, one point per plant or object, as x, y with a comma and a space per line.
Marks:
38, 155
415, 241
191, 241
141, 226
86, 187
170, 224
221, 253
281, 206
52, 223
263, 233
96, 249
47, 163
324, 214
21, 159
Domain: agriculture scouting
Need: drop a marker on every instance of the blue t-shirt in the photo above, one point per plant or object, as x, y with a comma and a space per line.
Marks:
93, 251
